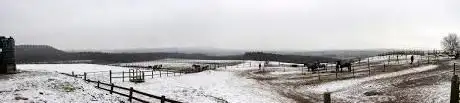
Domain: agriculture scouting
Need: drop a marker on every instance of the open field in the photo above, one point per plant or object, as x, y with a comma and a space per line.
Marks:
381, 80
50, 87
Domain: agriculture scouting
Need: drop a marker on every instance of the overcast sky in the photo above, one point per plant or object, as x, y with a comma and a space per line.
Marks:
230, 24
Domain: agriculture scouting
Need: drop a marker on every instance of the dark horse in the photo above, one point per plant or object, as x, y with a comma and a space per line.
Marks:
340, 66
199, 67
314, 66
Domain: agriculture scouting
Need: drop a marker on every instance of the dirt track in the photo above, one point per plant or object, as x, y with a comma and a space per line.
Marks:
410, 88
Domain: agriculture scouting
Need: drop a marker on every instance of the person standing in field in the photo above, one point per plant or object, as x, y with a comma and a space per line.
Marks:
260, 66
411, 59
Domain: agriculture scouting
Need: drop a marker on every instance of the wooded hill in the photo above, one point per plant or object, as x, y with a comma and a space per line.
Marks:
48, 54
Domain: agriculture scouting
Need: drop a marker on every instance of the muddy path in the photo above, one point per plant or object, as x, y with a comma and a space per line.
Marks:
424, 87
291, 85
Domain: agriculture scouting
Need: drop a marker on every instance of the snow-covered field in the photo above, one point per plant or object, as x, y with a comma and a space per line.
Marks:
210, 87
69, 68
241, 83
355, 89
422, 87
178, 63
50, 87
95, 72
344, 84
204, 87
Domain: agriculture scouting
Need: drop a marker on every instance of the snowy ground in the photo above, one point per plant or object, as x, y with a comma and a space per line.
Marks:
400, 82
204, 87
344, 84
69, 68
280, 83
178, 63
50, 87
430, 86
210, 87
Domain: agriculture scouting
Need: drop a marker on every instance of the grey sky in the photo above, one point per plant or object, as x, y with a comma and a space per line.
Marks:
231, 24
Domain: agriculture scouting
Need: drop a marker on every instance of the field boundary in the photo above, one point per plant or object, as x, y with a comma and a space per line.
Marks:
112, 86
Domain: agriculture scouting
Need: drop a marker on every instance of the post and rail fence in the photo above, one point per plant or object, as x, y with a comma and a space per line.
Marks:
131, 91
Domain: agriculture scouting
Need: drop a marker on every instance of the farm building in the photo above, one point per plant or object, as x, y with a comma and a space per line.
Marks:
7, 55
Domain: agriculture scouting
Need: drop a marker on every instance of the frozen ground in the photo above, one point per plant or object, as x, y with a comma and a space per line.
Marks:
431, 86
399, 83
69, 68
211, 87
246, 83
50, 87
94, 71
204, 87
335, 86
175, 63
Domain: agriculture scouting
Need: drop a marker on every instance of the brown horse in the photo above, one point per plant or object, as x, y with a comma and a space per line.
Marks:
340, 66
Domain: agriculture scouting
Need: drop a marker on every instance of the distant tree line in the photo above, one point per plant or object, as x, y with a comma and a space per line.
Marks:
261, 56
47, 54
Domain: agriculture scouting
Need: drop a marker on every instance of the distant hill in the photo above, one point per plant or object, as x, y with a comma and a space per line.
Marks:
286, 58
44, 54
36, 53
37, 49
339, 54
190, 50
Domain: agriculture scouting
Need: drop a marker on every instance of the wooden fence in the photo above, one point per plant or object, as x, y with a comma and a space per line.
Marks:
130, 95
454, 98
123, 74
163, 99
388, 63
454, 91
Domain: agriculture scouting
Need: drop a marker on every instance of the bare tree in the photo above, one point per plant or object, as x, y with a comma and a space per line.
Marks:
450, 43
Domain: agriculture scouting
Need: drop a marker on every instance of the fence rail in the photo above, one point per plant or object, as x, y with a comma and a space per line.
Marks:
99, 85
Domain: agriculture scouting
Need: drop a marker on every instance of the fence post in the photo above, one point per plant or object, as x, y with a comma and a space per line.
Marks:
353, 71
454, 69
98, 82
326, 67
143, 75
84, 76
73, 75
406, 59
163, 99
420, 61
368, 66
389, 59
428, 59
359, 61
303, 68
327, 97
130, 94
129, 75
123, 76
110, 74
152, 72
319, 75
384, 67
160, 72
111, 88
454, 90
167, 73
